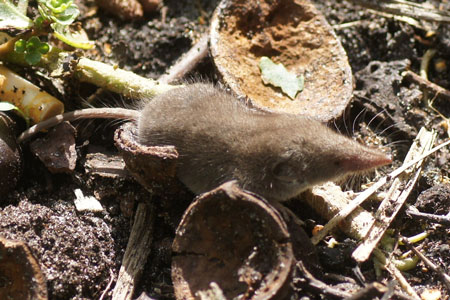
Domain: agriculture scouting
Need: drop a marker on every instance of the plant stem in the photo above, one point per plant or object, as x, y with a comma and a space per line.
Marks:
118, 80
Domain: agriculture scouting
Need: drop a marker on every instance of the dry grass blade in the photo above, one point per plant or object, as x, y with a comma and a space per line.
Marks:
406, 8
395, 198
366, 194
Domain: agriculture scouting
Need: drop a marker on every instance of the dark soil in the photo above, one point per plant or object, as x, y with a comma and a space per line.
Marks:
80, 252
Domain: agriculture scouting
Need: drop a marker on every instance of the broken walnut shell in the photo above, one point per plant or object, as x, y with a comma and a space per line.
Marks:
152, 166
236, 240
293, 33
21, 276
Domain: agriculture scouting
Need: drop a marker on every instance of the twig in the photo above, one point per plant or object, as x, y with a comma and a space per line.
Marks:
395, 198
117, 80
349, 24
189, 61
444, 277
426, 84
316, 284
366, 194
390, 290
371, 291
108, 286
406, 8
138, 249
433, 218
408, 20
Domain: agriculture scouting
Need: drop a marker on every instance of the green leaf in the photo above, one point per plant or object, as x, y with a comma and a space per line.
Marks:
33, 58
20, 46
44, 11
33, 43
12, 17
32, 49
67, 16
43, 48
277, 75
22, 6
58, 6
63, 12
74, 39
39, 21
6, 106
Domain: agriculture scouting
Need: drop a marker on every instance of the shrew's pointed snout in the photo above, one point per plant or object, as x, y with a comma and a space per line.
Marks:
366, 160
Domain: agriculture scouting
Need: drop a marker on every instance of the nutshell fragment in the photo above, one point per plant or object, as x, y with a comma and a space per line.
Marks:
293, 33
20, 274
235, 240
154, 167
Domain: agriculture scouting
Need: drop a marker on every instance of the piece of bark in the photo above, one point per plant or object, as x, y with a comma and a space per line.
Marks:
136, 254
328, 199
105, 165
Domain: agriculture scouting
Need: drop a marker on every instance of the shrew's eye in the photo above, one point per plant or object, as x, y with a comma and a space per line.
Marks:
284, 171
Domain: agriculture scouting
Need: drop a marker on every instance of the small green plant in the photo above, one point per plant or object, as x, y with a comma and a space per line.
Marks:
63, 12
33, 49
56, 17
